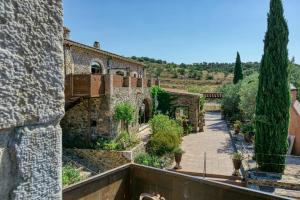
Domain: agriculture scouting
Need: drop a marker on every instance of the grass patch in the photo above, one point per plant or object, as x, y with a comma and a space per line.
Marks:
70, 174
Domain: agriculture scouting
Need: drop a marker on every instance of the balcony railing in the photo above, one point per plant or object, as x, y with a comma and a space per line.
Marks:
130, 181
92, 85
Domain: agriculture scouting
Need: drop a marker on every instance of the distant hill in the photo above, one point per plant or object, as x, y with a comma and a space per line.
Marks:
196, 77
204, 76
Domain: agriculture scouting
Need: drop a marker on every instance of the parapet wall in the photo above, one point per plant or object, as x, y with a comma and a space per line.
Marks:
31, 99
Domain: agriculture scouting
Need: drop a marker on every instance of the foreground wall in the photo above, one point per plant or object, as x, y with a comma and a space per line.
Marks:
31, 99
130, 181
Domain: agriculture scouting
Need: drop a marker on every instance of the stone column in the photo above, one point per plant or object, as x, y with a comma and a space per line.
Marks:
31, 99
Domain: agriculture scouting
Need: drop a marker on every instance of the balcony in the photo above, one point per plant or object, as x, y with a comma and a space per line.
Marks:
131, 181
93, 85
88, 85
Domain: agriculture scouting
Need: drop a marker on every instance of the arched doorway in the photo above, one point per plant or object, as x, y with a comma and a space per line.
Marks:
144, 112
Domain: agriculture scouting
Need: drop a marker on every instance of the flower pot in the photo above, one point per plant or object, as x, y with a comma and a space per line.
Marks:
237, 165
247, 138
236, 131
178, 157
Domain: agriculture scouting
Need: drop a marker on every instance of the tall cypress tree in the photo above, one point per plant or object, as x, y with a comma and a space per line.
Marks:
238, 71
273, 97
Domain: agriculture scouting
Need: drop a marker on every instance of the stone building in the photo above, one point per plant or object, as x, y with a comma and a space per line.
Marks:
188, 105
294, 129
31, 99
95, 82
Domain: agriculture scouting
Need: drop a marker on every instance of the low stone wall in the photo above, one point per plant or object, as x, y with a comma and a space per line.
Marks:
97, 160
132, 154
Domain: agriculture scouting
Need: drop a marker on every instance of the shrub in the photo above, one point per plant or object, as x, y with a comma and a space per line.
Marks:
238, 156
178, 151
230, 102
161, 99
152, 160
210, 77
70, 174
126, 140
247, 93
166, 135
123, 142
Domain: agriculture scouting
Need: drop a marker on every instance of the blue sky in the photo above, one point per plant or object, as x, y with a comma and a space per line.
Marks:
179, 31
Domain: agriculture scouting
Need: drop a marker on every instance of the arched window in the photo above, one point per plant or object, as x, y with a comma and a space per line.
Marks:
96, 68
121, 73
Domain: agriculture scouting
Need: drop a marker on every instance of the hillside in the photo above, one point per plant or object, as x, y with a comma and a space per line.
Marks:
196, 77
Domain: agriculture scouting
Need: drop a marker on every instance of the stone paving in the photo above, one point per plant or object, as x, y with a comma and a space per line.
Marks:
215, 141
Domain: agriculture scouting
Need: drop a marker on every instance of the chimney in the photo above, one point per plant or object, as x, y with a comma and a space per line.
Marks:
96, 45
293, 93
66, 33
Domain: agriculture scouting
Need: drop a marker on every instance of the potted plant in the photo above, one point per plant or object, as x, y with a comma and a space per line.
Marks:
237, 126
248, 132
178, 155
237, 159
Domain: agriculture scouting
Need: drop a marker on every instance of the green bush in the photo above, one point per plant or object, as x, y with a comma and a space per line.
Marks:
126, 140
70, 174
166, 135
153, 160
230, 102
210, 77
247, 93
161, 99
123, 142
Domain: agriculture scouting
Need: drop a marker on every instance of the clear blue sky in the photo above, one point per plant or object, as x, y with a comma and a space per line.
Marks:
179, 30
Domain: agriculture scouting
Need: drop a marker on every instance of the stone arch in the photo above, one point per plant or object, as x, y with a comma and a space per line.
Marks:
145, 111
97, 67
121, 72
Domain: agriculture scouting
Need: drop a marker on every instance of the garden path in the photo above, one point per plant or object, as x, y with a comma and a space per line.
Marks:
215, 141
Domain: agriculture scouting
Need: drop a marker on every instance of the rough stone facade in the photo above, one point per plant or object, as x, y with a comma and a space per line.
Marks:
31, 99
91, 117
192, 104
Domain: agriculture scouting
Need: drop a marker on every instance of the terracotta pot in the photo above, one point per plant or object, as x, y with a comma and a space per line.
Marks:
178, 157
247, 138
237, 164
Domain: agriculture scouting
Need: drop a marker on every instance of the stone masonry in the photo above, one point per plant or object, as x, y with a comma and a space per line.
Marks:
91, 116
31, 99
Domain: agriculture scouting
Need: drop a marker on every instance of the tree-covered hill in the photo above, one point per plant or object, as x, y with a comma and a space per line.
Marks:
203, 76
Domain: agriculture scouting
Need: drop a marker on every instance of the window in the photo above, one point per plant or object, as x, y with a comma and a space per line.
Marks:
120, 73
96, 68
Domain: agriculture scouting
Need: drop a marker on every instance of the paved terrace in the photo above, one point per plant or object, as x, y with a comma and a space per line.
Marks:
215, 141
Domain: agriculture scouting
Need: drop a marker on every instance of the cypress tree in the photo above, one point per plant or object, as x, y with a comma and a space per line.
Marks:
273, 97
238, 71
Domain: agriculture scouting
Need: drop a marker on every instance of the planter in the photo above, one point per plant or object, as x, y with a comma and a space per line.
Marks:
237, 165
236, 131
178, 157
247, 138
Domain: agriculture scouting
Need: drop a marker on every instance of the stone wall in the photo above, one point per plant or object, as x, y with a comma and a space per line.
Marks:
96, 160
93, 117
83, 57
87, 120
31, 99
192, 103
